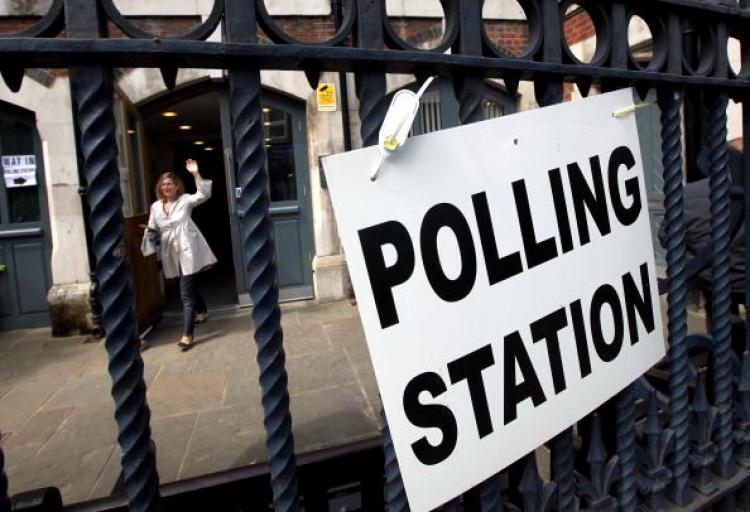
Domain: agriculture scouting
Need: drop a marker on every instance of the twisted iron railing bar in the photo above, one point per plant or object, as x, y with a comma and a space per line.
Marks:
260, 256
469, 90
198, 33
370, 89
721, 329
259, 248
548, 93
670, 102
626, 490
92, 94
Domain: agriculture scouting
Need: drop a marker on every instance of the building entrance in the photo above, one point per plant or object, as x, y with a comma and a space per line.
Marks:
191, 128
195, 123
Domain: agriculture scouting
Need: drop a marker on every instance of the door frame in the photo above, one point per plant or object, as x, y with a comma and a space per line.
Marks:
21, 231
303, 208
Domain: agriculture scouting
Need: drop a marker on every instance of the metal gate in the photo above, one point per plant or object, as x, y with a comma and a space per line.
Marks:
687, 447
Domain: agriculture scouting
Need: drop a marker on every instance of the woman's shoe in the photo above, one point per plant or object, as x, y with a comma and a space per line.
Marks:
185, 343
201, 317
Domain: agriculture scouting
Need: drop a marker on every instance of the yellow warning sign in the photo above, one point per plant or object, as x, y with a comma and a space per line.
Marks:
326, 97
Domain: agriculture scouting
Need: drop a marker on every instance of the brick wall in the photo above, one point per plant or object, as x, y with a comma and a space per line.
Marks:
11, 24
578, 27
509, 35
159, 26
308, 29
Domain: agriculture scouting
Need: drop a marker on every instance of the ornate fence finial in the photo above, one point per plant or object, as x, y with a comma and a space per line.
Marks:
536, 496
602, 473
654, 475
703, 448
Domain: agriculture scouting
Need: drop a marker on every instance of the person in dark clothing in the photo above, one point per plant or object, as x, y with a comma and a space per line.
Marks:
697, 220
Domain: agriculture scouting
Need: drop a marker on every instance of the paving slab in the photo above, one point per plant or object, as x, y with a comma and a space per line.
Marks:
74, 485
338, 412
180, 394
208, 451
55, 399
84, 442
242, 386
171, 436
26, 443
82, 390
105, 483
306, 372
301, 340
24, 400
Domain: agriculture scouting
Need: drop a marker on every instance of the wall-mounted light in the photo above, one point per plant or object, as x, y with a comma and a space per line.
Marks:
266, 110
185, 127
169, 114
131, 131
208, 148
199, 142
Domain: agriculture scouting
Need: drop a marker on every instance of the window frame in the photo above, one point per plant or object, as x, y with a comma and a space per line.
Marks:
18, 115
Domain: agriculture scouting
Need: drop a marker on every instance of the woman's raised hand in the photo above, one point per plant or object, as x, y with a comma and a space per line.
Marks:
191, 165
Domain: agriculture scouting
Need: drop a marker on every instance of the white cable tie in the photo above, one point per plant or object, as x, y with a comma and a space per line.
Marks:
631, 109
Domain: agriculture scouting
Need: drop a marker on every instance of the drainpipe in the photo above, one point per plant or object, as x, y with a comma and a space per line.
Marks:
338, 16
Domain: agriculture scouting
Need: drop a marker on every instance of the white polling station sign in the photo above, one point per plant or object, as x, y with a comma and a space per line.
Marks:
505, 278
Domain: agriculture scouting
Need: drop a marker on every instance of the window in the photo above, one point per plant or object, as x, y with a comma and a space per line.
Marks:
277, 126
438, 107
19, 191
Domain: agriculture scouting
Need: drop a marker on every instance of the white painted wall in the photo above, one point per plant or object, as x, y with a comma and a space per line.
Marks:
53, 111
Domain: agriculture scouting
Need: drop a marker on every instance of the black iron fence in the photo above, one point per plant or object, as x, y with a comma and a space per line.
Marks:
683, 445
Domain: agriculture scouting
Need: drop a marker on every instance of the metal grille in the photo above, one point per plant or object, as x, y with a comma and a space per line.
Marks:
686, 444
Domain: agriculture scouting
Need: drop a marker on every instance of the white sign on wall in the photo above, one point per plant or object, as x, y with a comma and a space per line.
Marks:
19, 170
505, 277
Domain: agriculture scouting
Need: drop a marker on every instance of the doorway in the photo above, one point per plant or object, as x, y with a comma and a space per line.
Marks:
194, 122
191, 128
24, 223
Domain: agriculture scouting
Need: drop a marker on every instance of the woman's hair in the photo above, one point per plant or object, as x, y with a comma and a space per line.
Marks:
177, 183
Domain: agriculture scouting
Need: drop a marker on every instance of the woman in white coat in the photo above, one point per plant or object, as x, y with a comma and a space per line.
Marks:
183, 250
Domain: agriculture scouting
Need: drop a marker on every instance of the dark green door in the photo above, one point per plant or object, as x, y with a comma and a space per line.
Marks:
24, 231
286, 161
